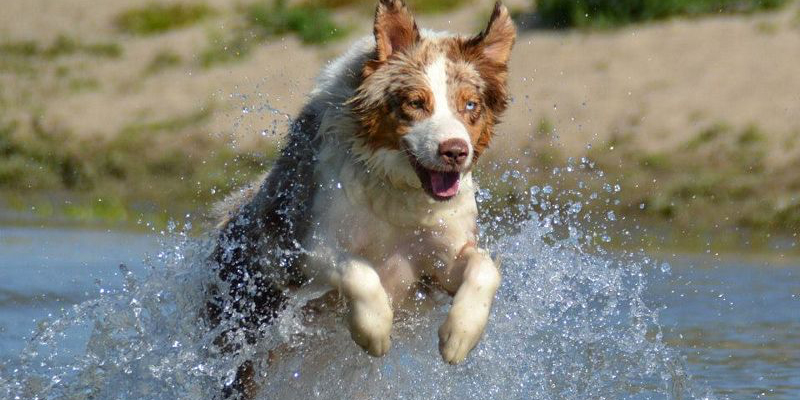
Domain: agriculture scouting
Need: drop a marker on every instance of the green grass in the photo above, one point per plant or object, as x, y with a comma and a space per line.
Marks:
26, 48
313, 25
707, 135
83, 84
163, 60
614, 13
267, 19
435, 6
223, 49
149, 169
717, 180
63, 45
154, 18
416, 6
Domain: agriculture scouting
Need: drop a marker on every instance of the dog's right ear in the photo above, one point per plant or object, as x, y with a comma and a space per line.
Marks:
394, 29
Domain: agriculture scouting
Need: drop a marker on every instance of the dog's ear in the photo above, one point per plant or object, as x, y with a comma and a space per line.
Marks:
497, 39
394, 29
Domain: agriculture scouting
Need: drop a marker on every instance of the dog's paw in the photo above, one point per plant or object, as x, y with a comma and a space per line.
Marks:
462, 330
371, 326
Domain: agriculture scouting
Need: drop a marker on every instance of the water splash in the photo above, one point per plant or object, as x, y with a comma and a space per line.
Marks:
569, 322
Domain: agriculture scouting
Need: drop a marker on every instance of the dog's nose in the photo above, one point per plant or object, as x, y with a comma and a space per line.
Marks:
454, 151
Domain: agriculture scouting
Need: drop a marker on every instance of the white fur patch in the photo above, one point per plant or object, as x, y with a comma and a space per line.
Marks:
389, 164
426, 135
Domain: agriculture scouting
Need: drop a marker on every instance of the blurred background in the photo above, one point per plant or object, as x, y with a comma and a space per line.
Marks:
121, 115
126, 111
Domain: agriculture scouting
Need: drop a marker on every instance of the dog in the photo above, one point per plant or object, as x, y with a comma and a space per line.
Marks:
373, 191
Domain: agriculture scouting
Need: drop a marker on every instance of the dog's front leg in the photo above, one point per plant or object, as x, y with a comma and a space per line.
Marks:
475, 279
370, 315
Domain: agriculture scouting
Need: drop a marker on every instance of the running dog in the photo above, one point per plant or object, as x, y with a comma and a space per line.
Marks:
374, 190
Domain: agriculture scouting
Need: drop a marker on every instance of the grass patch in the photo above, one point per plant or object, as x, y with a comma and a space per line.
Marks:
707, 135
161, 167
313, 25
416, 6
614, 13
163, 60
25, 48
719, 180
435, 6
78, 85
222, 49
156, 18
266, 19
63, 45
751, 135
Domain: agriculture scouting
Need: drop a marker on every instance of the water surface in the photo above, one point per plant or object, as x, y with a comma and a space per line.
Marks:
734, 324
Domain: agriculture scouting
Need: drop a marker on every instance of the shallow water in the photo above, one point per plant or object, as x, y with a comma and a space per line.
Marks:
47, 270
737, 322
567, 325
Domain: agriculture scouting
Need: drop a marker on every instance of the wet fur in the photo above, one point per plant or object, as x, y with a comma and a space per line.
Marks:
343, 162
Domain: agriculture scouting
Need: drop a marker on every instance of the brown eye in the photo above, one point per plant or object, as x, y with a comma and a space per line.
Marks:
417, 104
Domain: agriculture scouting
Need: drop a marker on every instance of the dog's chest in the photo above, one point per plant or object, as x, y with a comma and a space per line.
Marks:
379, 223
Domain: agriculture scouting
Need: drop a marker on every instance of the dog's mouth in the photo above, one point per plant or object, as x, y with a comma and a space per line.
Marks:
441, 185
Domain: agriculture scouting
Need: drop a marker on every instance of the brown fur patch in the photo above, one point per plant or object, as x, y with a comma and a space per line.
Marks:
393, 97
488, 52
394, 30
395, 93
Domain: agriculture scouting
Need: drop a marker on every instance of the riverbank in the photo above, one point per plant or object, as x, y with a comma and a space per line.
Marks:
697, 121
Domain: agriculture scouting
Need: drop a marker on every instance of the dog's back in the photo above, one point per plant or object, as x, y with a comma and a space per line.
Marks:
258, 244
262, 226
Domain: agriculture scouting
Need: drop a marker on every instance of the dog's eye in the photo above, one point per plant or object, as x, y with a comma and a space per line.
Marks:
416, 104
471, 105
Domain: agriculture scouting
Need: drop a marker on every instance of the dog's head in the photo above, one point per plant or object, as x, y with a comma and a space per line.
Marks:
428, 102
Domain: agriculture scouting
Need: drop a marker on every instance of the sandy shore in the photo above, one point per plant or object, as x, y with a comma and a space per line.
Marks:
663, 82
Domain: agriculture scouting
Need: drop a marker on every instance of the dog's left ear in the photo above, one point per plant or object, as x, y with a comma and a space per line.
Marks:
497, 39
395, 28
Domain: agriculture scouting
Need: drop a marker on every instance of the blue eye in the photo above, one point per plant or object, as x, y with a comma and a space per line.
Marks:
471, 105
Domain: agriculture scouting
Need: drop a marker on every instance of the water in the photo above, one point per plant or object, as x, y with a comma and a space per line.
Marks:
46, 271
568, 324
737, 322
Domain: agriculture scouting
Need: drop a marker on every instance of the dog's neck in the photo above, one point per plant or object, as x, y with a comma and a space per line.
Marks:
401, 200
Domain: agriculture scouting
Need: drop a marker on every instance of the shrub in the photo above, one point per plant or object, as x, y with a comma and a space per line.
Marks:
156, 18
313, 25
612, 13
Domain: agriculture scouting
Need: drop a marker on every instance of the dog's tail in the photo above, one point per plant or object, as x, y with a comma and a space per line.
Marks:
223, 211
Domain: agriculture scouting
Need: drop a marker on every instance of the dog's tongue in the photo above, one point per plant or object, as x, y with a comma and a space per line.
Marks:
444, 184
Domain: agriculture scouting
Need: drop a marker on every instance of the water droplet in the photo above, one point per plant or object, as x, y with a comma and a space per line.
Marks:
665, 268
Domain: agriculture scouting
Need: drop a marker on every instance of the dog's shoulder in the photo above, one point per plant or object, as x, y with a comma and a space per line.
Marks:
340, 77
